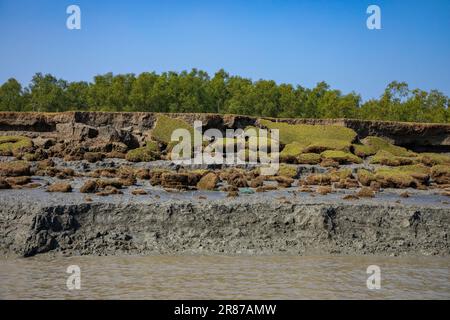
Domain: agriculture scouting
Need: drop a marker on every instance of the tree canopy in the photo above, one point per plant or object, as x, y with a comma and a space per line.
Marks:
196, 91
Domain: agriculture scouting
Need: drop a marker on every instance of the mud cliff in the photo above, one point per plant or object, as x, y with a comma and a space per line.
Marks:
223, 226
132, 126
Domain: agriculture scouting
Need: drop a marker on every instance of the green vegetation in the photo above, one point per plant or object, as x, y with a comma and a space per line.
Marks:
308, 134
196, 91
165, 126
308, 158
363, 151
10, 145
341, 156
287, 171
365, 177
431, 159
388, 159
382, 144
144, 154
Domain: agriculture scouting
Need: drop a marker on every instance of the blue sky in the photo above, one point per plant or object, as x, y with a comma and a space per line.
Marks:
298, 42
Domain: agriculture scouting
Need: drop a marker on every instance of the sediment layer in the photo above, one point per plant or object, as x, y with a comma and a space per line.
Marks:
253, 225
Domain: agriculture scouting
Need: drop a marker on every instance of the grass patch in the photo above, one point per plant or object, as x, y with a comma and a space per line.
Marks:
382, 144
341, 156
441, 173
14, 169
363, 151
431, 159
291, 151
287, 170
10, 145
149, 152
309, 134
388, 159
308, 158
391, 178
328, 144
165, 126
365, 177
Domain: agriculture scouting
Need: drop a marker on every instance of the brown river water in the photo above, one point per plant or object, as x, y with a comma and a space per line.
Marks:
225, 277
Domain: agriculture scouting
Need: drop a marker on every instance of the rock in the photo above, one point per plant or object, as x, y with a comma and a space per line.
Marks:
43, 143
256, 182
323, 190
266, 188
138, 192
175, 180
142, 173
76, 131
44, 164
104, 183
350, 197
284, 182
318, 179
60, 187
18, 180
366, 192
93, 157
329, 163
232, 194
4, 184
14, 169
404, 194
109, 190
208, 182
89, 186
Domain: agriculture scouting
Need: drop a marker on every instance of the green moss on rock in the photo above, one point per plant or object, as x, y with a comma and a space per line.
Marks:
11, 145
165, 126
144, 154
341, 156
382, 144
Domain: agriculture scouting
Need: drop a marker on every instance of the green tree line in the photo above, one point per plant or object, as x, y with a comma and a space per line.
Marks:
196, 91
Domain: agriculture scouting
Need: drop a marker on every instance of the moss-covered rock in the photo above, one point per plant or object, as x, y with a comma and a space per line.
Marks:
392, 178
165, 126
14, 168
208, 182
59, 187
441, 174
149, 152
341, 156
365, 177
308, 134
13, 145
363, 151
309, 158
431, 159
328, 144
382, 144
291, 151
287, 170
388, 159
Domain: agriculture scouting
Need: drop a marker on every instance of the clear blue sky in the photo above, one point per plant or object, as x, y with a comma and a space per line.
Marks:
298, 42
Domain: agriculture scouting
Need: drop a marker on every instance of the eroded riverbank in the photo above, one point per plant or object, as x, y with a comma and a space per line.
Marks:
196, 222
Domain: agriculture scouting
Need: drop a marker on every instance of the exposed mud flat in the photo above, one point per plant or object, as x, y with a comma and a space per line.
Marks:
279, 222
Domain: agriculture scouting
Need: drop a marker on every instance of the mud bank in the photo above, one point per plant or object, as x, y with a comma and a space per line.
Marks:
131, 127
255, 224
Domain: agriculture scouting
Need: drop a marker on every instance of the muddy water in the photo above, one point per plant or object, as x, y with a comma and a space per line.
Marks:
218, 277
